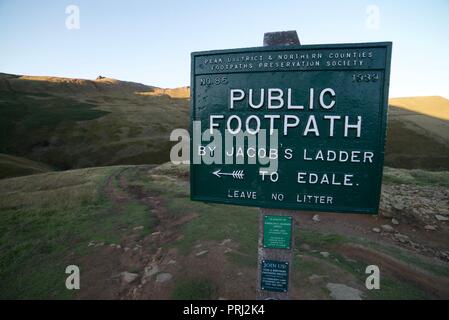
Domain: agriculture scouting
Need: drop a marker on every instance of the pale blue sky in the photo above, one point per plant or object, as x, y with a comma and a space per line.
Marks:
151, 41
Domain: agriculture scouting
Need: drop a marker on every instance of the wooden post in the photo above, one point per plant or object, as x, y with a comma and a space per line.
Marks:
282, 255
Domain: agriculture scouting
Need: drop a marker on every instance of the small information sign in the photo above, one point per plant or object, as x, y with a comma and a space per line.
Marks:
274, 276
277, 232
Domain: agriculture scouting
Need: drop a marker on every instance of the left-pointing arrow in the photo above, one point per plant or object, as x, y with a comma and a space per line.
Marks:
236, 174
217, 173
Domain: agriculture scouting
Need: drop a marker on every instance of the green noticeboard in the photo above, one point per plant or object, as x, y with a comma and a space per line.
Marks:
295, 127
277, 232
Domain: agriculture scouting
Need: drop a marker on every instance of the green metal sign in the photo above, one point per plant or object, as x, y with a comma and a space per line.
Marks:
295, 127
274, 276
277, 232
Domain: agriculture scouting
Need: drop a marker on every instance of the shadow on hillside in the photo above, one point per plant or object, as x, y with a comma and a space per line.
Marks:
416, 140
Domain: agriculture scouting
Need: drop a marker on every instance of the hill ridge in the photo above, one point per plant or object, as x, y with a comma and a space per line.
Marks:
80, 86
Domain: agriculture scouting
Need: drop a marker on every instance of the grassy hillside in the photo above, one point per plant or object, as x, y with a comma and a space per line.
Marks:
127, 218
433, 106
75, 123
418, 133
44, 219
15, 167
72, 123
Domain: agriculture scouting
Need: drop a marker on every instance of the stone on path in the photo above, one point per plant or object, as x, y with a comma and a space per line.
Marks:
151, 270
376, 230
340, 291
386, 213
430, 228
225, 241
387, 228
398, 205
201, 253
325, 254
394, 221
314, 278
441, 218
316, 218
163, 277
401, 237
128, 277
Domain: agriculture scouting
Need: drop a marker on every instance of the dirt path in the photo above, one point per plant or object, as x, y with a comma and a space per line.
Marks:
432, 244
213, 264
157, 266
150, 257
437, 287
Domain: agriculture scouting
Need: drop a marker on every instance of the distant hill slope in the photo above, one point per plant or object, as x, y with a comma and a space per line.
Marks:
183, 92
418, 133
15, 166
433, 106
69, 86
74, 123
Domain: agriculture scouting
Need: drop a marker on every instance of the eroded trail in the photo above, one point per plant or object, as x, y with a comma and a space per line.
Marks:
145, 256
436, 286
145, 264
111, 268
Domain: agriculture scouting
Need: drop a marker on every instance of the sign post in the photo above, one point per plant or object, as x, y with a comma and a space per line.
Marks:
323, 109
274, 223
315, 114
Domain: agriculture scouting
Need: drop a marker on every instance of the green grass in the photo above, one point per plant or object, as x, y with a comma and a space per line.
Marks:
318, 240
210, 215
11, 166
44, 226
217, 222
414, 149
307, 267
390, 288
243, 259
326, 242
194, 289
46, 220
23, 112
212, 222
428, 264
68, 131
416, 177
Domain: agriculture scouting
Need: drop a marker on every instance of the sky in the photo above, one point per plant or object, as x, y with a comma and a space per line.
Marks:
151, 41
